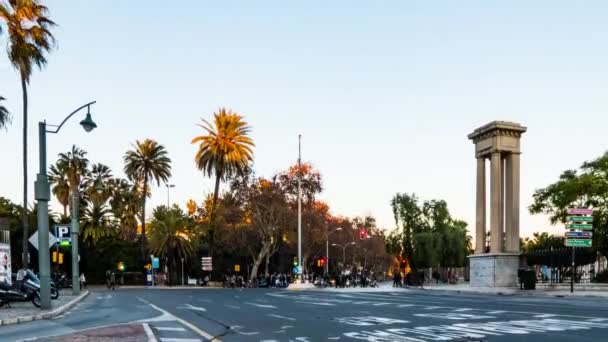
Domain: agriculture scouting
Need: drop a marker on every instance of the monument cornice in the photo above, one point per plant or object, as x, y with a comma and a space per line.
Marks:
497, 128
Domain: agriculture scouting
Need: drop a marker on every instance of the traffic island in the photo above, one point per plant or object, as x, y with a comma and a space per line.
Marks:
21, 312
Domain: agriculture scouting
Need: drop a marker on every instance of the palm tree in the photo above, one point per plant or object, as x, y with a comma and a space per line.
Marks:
4, 114
61, 188
96, 223
29, 39
125, 202
171, 235
97, 186
148, 161
224, 150
76, 166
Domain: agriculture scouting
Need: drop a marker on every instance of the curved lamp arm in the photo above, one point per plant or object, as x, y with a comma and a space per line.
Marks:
88, 105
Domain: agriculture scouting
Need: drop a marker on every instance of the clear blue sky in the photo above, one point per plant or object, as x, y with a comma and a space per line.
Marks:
384, 92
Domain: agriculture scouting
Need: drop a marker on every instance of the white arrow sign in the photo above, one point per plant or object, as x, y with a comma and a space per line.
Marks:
34, 240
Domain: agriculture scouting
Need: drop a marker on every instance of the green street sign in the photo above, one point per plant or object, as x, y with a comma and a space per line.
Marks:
579, 226
578, 243
580, 218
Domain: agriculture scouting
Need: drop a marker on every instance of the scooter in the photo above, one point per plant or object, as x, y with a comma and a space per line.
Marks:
25, 289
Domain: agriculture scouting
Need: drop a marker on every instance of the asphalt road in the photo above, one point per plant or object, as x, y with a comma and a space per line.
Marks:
282, 315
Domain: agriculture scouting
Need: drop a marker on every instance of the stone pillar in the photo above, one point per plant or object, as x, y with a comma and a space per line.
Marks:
503, 162
480, 222
512, 244
495, 206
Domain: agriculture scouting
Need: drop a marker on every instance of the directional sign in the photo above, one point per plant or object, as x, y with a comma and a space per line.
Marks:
579, 226
207, 263
580, 211
580, 218
582, 235
578, 243
34, 240
155, 262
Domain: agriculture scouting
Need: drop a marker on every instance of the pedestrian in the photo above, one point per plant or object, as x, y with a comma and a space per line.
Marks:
395, 279
83, 281
112, 280
108, 273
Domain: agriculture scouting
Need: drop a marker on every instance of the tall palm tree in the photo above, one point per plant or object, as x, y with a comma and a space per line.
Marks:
125, 202
4, 114
97, 184
58, 178
224, 150
171, 235
29, 39
96, 223
147, 161
76, 166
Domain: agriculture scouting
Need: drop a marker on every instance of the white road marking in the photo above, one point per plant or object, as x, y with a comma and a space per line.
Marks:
166, 315
453, 316
149, 333
265, 306
232, 306
170, 329
173, 339
316, 303
282, 317
334, 338
462, 310
381, 304
192, 307
545, 316
405, 305
432, 307
497, 312
237, 329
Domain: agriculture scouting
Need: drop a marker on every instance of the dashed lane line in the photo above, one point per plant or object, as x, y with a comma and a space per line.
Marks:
169, 329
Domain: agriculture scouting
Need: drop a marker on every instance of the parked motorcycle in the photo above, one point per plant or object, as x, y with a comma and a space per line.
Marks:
27, 288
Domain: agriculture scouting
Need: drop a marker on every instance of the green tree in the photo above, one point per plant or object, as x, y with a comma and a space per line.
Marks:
5, 117
97, 184
147, 161
75, 165
224, 151
586, 188
407, 215
125, 203
58, 178
29, 39
96, 223
172, 236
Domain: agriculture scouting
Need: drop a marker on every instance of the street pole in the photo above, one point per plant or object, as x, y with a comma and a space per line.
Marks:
182, 271
299, 204
169, 186
327, 255
74, 233
43, 195
573, 272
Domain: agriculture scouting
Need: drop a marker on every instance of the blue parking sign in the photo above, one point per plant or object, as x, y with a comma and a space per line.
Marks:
155, 263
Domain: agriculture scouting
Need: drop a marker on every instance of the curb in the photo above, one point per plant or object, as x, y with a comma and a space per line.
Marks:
45, 315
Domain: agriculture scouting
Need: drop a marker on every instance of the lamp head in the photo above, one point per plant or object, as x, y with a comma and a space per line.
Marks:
88, 124
339, 228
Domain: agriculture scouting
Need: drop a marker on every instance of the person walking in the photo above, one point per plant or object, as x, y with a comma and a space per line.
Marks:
112, 280
108, 274
83, 281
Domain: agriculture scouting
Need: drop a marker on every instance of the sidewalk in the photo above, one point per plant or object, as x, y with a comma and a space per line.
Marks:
579, 291
20, 312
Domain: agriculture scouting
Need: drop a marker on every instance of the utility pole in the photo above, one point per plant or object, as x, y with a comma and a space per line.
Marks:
299, 203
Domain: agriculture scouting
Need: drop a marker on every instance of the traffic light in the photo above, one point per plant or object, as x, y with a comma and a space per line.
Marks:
362, 234
60, 258
322, 261
295, 261
54, 256
403, 263
121, 266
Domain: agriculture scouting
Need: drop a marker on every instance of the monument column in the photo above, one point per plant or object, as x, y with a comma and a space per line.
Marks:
495, 200
513, 202
480, 222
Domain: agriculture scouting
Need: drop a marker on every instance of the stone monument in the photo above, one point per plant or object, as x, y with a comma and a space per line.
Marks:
498, 141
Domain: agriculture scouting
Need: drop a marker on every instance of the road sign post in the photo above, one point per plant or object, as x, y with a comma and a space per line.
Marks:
579, 224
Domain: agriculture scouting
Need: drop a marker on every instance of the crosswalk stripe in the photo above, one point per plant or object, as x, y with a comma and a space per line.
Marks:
173, 339
170, 329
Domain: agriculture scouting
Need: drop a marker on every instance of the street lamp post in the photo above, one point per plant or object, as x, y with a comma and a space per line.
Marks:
43, 195
169, 186
182, 271
299, 205
327, 249
343, 250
